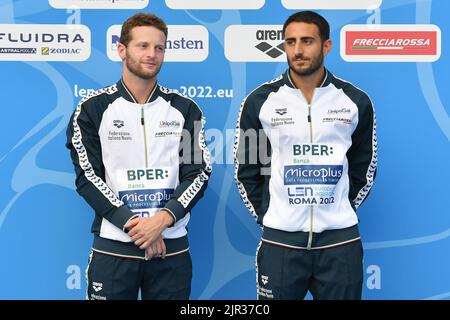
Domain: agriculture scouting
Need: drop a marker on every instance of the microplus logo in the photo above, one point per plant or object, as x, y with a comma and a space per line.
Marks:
376, 43
148, 198
254, 43
312, 174
44, 42
99, 4
185, 43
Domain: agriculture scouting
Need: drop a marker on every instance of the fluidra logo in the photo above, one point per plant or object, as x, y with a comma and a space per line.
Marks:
44, 42
267, 48
42, 37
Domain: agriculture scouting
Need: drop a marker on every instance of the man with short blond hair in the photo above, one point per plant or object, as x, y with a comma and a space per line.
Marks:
134, 146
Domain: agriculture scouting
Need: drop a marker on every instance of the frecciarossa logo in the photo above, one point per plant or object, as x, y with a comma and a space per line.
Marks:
390, 43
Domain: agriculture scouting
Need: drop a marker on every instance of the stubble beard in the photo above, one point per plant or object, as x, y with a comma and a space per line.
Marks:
136, 68
316, 64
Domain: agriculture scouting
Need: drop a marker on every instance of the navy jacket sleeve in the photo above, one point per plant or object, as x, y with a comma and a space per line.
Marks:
248, 166
84, 144
362, 155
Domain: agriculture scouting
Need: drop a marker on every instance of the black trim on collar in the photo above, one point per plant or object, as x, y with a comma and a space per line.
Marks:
326, 81
128, 95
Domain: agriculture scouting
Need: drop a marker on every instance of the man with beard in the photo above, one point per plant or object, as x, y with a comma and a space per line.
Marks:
142, 164
305, 160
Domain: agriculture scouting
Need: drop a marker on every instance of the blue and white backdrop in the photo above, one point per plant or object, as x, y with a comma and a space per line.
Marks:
52, 53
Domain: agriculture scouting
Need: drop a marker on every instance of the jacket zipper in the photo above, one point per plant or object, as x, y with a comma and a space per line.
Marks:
145, 131
311, 207
146, 152
145, 135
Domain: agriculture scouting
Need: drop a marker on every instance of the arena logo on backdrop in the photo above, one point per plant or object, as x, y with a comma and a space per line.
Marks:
254, 43
185, 43
44, 42
99, 4
215, 4
391, 43
332, 4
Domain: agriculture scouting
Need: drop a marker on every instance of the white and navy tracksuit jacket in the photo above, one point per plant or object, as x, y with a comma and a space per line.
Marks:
320, 161
133, 159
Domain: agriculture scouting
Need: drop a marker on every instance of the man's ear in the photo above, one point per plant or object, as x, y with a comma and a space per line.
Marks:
122, 49
327, 45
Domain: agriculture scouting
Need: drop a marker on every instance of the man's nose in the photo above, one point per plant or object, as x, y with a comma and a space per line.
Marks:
150, 52
298, 49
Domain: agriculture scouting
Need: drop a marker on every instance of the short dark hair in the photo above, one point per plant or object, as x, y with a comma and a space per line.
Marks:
141, 20
310, 17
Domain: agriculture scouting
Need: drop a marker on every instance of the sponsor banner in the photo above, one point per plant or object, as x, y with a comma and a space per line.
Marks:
185, 43
254, 43
99, 4
332, 4
215, 4
311, 184
44, 42
147, 198
390, 43
312, 174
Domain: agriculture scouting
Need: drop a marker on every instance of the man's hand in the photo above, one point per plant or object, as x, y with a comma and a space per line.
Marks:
144, 231
157, 248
